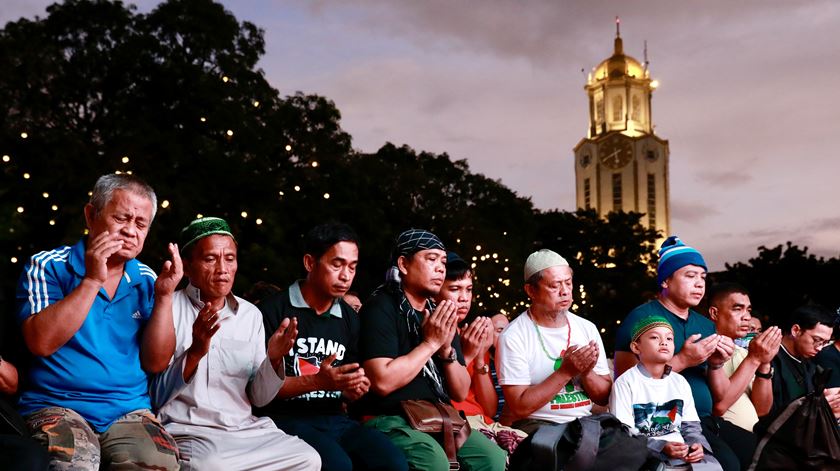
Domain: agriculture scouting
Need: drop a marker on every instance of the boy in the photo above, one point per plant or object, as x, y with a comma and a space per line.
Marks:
657, 403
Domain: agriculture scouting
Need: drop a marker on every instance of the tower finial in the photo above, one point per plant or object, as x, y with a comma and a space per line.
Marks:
619, 44
617, 27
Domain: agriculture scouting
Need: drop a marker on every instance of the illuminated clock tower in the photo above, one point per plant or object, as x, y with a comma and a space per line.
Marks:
621, 165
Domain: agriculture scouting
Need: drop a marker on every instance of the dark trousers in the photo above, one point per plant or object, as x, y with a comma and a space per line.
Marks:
344, 443
22, 454
732, 446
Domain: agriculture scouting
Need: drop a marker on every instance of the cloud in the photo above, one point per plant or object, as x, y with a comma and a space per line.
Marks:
724, 178
691, 211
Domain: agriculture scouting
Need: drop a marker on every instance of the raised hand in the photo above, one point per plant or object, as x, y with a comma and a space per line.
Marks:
99, 249
439, 327
338, 378
579, 360
171, 273
359, 390
723, 351
765, 345
281, 341
695, 352
204, 328
477, 338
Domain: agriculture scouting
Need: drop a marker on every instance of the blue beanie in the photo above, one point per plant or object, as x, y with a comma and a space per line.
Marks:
673, 255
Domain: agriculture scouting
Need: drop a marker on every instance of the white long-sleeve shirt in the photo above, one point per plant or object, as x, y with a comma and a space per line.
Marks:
234, 375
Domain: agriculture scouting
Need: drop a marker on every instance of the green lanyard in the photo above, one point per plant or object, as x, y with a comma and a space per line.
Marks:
557, 360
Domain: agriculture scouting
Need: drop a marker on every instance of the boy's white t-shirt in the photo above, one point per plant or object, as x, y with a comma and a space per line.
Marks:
522, 362
653, 407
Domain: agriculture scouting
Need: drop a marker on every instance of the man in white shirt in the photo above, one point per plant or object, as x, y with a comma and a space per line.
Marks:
221, 367
552, 365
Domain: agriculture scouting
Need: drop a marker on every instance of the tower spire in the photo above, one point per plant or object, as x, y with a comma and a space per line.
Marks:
619, 44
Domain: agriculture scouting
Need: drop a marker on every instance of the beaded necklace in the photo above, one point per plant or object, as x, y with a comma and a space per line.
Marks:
542, 343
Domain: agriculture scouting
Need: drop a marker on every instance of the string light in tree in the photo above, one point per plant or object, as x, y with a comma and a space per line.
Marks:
314, 163
20, 209
45, 194
14, 259
256, 104
26, 176
24, 135
225, 79
288, 148
6, 158
202, 119
259, 221
297, 187
52, 222
326, 196
125, 159
229, 133
54, 207
164, 204
244, 214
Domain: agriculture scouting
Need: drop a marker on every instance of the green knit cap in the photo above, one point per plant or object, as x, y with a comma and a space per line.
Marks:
647, 323
204, 227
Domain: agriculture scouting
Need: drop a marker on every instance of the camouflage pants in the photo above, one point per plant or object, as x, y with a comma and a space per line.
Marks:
135, 441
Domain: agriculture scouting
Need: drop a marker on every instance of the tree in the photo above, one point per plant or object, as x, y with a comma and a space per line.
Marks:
785, 277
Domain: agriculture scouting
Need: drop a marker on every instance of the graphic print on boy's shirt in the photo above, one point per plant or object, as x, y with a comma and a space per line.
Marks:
657, 420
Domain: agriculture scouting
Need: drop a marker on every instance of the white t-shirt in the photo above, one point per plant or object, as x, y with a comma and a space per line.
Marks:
522, 362
653, 407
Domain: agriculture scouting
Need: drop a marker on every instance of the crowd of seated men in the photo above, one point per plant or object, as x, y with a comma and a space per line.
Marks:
124, 370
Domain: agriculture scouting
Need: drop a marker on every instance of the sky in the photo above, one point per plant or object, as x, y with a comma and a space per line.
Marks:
748, 97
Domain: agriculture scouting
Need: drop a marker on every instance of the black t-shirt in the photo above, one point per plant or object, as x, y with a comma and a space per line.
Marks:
319, 336
385, 334
792, 379
829, 358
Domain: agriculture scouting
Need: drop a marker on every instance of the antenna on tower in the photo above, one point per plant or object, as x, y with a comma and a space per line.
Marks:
617, 26
647, 62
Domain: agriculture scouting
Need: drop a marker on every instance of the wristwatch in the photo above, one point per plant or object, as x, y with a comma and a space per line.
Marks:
483, 369
768, 375
451, 358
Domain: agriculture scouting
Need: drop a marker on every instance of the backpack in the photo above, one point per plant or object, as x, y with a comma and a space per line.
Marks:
594, 443
802, 436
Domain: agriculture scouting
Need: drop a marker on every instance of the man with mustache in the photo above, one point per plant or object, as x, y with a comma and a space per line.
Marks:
410, 349
97, 321
322, 368
222, 366
700, 353
552, 364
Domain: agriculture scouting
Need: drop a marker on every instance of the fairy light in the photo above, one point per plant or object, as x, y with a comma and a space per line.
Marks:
297, 188
52, 222
244, 214
26, 176
326, 196
288, 148
164, 204
54, 207
258, 221
281, 193
229, 133
125, 159
45, 194
14, 259
314, 163
477, 248
225, 79
20, 209
24, 135
6, 158
202, 119
256, 104
199, 216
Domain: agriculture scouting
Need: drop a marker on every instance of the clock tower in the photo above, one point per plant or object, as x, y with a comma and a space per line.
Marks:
621, 165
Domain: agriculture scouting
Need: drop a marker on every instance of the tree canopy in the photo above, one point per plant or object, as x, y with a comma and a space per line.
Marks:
176, 96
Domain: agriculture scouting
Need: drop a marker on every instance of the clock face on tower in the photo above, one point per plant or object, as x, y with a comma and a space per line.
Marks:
615, 152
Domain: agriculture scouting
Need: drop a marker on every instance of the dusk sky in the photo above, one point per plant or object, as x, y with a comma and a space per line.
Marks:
748, 96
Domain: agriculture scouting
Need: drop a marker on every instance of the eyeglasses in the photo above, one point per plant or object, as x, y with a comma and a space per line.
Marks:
818, 341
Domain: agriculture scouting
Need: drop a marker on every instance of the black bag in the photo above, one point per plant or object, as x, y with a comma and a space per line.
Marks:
11, 422
595, 443
802, 436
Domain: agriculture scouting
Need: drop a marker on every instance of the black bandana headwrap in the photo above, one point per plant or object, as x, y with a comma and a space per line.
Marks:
409, 243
